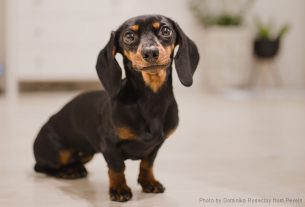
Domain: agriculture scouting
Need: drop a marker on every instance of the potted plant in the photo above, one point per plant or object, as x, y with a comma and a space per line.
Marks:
266, 43
225, 13
227, 42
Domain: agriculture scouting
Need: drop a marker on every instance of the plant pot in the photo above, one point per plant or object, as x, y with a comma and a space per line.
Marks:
265, 48
227, 57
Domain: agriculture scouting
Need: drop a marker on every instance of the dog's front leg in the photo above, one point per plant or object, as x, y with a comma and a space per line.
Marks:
118, 188
146, 176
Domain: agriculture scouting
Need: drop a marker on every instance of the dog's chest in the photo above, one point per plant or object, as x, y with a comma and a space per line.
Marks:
135, 149
139, 128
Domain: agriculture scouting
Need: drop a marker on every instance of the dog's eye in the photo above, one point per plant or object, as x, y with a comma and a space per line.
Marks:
165, 31
129, 37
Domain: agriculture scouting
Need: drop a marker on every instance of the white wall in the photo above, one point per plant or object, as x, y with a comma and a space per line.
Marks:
292, 58
291, 61
1, 41
60, 39
1, 31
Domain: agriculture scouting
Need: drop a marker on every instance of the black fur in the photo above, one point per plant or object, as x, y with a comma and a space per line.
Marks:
108, 69
88, 124
186, 59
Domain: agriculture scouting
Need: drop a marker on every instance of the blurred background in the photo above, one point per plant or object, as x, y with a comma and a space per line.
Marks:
58, 41
242, 122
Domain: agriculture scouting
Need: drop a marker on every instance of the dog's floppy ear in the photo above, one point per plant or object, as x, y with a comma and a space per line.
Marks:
108, 69
187, 57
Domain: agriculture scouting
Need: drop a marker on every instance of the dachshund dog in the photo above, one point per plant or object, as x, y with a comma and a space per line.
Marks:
132, 117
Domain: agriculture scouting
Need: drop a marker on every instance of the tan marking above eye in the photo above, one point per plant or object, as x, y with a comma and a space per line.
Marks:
135, 27
156, 25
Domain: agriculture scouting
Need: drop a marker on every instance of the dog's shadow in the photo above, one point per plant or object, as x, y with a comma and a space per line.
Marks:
91, 192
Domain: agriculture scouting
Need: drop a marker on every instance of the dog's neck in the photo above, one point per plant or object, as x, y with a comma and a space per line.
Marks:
153, 91
149, 83
155, 81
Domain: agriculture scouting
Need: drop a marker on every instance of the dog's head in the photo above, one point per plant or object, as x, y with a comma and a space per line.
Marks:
147, 43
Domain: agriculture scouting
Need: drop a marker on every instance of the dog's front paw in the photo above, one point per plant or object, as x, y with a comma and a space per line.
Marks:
120, 194
152, 187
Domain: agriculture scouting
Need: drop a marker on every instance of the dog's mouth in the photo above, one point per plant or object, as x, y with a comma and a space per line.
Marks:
155, 68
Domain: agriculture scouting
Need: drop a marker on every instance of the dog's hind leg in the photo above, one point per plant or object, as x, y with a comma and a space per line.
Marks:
54, 158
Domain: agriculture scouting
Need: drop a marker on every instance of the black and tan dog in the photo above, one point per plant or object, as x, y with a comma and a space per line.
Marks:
130, 119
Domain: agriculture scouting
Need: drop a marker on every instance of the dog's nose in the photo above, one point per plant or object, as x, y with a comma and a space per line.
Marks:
150, 54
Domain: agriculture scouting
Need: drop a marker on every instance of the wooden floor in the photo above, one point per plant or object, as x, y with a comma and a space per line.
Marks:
243, 149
